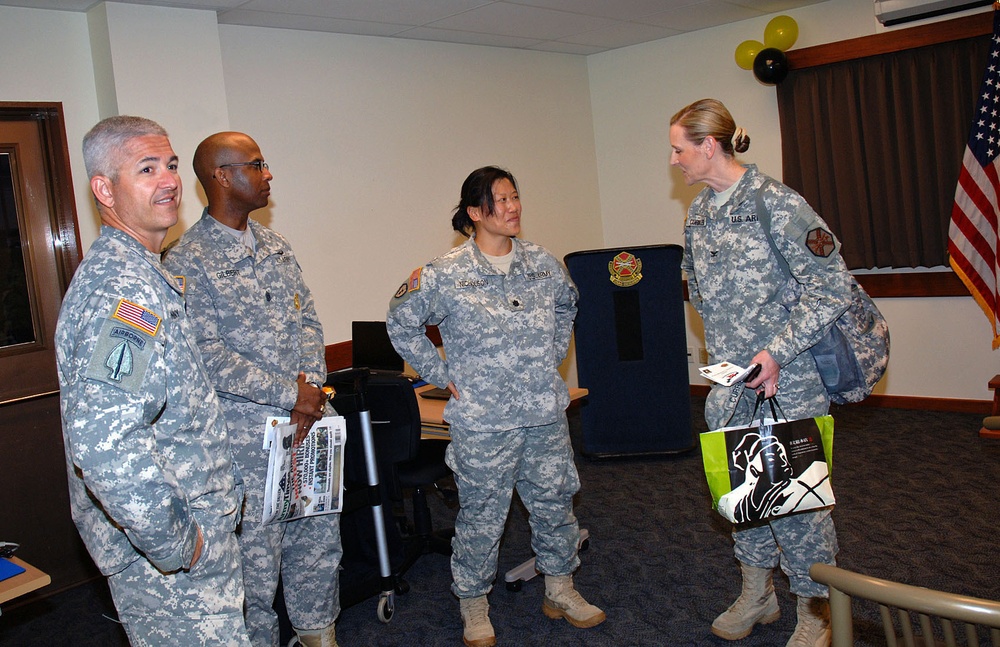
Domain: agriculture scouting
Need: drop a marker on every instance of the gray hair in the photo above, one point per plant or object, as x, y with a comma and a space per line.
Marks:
102, 146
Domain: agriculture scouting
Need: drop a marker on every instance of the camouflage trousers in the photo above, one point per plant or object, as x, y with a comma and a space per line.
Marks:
795, 543
203, 606
488, 466
306, 553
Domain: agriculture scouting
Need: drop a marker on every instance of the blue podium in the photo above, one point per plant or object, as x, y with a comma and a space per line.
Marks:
631, 351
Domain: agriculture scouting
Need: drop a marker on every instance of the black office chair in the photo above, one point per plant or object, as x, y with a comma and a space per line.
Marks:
421, 475
405, 463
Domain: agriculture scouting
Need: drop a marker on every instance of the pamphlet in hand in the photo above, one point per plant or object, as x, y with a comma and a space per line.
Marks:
307, 479
727, 373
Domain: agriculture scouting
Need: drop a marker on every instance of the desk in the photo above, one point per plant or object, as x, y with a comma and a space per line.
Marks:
25, 582
432, 413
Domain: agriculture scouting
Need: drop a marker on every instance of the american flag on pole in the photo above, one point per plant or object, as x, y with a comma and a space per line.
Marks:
972, 236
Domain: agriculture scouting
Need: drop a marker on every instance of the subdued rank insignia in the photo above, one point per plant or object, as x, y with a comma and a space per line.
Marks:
820, 242
626, 270
297, 303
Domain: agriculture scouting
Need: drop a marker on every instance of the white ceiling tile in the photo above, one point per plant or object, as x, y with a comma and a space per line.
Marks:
470, 38
558, 47
405, 12
616, 9
567, 26
308, 23
702, 15
620, 35
518, 20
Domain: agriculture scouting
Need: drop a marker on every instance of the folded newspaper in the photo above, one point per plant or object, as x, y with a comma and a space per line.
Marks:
304, 480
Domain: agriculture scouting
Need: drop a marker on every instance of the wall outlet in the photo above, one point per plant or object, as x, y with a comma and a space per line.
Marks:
703, 355
691, 355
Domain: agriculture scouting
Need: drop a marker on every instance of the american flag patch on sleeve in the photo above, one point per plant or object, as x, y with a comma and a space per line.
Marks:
137, 316
413, 282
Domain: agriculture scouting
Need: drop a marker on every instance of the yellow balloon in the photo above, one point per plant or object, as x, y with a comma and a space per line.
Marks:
781, 32
746, 52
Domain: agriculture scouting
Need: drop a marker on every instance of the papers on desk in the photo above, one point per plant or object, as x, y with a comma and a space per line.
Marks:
9, 569
306, 480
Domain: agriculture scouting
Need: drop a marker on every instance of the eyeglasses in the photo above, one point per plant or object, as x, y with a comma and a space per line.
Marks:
260, 165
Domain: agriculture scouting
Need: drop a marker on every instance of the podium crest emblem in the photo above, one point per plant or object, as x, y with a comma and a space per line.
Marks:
625, 269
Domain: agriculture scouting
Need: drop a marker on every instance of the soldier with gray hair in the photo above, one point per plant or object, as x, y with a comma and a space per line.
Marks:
754, 314
153, 488
262, 342
505, 309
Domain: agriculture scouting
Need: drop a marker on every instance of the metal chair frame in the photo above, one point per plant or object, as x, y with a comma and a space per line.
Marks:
937, 613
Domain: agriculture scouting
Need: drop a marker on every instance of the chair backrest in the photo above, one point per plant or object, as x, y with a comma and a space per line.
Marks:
911, 615
395, 421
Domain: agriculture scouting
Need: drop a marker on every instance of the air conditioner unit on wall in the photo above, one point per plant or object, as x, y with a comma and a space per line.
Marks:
894, 12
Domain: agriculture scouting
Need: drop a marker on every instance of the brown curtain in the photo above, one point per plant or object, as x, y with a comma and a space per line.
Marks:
875, 145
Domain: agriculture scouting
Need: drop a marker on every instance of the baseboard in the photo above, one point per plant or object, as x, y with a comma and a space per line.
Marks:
338, 356
924, 403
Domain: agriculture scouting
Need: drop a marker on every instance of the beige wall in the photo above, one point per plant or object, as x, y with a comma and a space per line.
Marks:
370, 138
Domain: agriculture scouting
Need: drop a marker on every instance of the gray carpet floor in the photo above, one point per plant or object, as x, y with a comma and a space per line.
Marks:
917, 502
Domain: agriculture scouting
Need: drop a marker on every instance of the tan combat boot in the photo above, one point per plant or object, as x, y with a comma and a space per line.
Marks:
476, 621
563, 601
756, 604
326, 637
813, 627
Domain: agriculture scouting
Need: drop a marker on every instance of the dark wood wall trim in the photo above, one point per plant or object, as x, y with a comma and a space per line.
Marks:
907, 284
338, 356
913, 284
955, 405
891, 41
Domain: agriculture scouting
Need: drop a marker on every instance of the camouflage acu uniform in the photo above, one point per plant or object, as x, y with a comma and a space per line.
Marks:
147, 450
504, 337
748, 305
257, 329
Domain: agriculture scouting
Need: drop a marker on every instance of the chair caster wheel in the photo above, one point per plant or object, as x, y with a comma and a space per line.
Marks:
385, 609
402, 587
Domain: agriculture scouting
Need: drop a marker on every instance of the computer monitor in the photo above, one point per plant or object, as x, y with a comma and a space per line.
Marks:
371, 348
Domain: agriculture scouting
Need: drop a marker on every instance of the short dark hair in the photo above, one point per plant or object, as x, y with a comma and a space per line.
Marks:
477, 191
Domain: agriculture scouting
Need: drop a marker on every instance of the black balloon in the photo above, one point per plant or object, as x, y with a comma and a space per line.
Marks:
770, 66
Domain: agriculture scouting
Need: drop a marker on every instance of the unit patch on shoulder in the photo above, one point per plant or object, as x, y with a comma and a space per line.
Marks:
401, 291
137, 316
121, 355
820, 242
